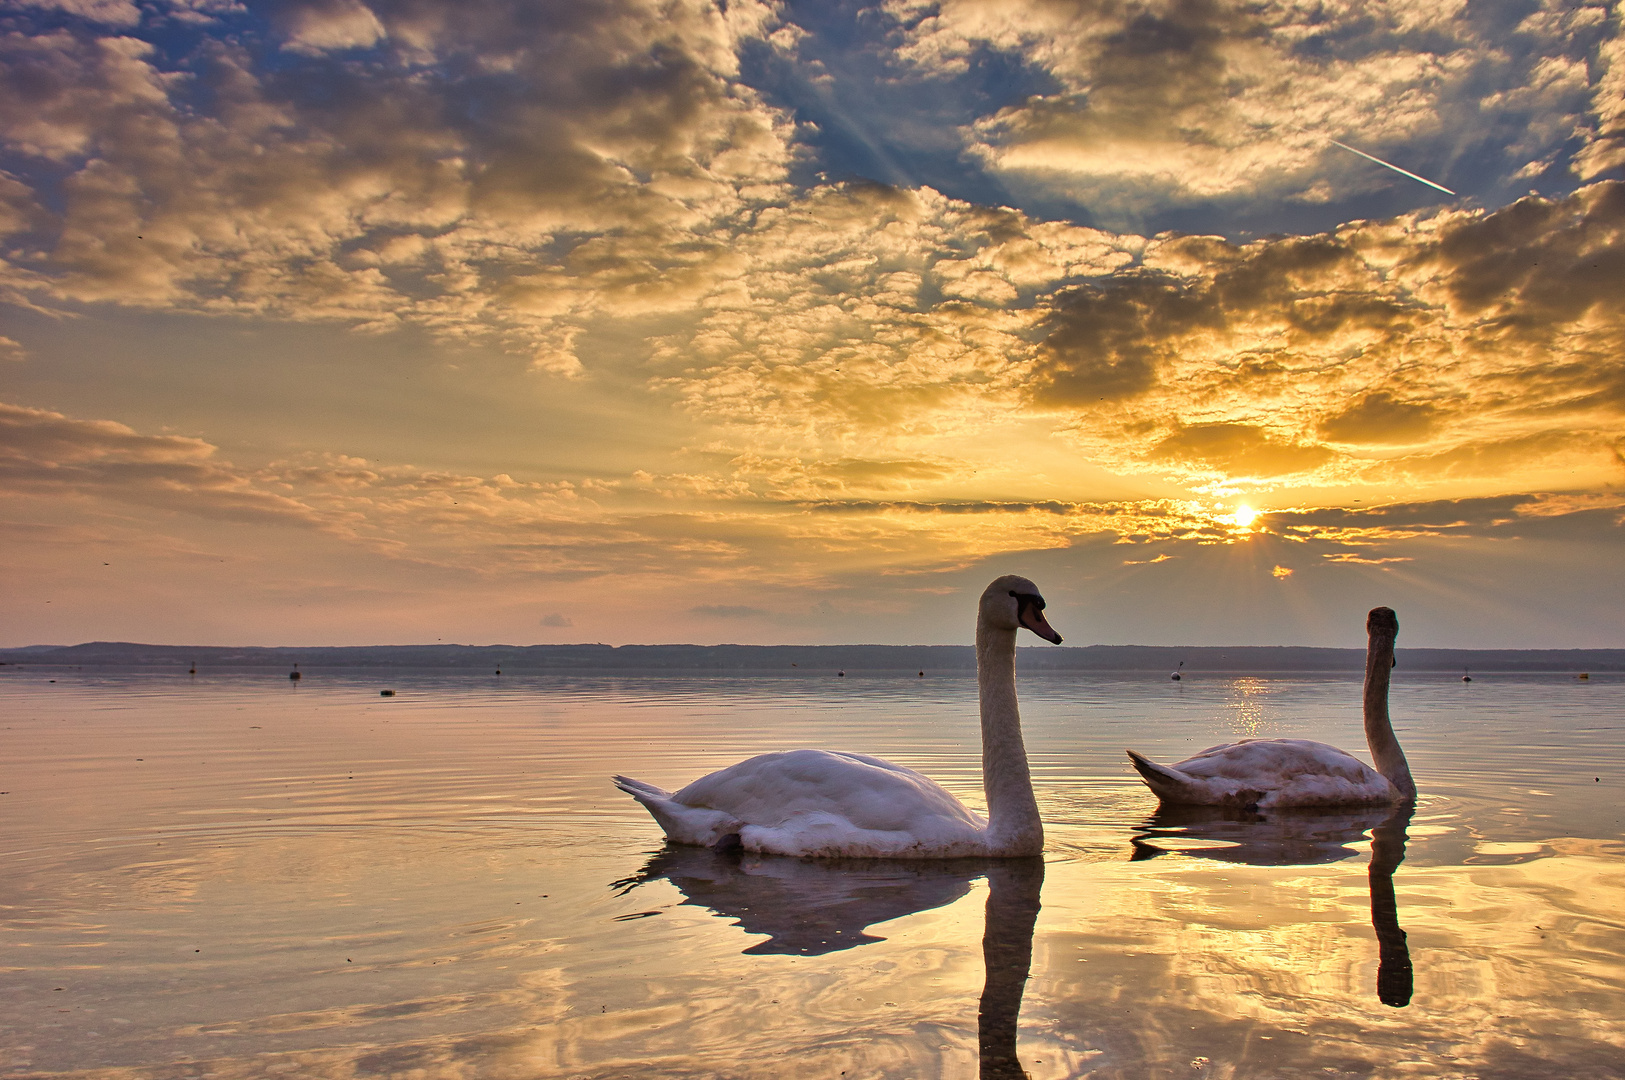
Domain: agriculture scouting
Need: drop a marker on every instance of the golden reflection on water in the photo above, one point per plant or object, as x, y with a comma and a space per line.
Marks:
1246, 708
316, 885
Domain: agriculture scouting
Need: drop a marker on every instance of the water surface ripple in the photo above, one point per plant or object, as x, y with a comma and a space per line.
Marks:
238, 876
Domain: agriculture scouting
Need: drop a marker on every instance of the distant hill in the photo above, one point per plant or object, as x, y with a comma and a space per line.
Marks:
804, 658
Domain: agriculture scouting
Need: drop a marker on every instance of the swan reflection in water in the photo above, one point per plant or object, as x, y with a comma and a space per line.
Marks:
1299, 838
809, 907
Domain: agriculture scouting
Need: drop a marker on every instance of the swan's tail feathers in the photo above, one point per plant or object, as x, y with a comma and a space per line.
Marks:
637, 788
1169, 785
682, 824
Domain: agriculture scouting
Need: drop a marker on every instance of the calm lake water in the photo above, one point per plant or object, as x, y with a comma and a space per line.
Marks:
234, 876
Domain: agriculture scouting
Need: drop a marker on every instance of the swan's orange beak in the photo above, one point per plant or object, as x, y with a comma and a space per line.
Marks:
1031, 616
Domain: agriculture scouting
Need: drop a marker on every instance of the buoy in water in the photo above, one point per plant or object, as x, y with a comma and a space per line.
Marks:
1175, 674
1583, 675
294, 674
840, 674
386, 693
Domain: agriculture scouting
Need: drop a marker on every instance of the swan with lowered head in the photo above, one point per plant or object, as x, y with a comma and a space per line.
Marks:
830, 804
1261, 773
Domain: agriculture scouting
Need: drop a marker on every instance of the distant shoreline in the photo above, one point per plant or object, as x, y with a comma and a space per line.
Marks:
808, 659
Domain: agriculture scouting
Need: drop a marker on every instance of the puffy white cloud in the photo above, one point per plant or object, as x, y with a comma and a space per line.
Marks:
1159, 100
1605, 144
330, 26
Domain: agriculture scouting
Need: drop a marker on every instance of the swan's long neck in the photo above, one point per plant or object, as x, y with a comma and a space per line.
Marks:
1379, 730
1013, 824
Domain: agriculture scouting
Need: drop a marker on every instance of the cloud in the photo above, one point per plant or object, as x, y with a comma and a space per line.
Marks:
47, 453
1379, 418
1600, 515
1605, 143
425, 186
1461, 344
315, 28
1355, 559
605, 196
1239, 451
1420, 350
1106, 342
532, 544
105, 12
844, 320
1154, 102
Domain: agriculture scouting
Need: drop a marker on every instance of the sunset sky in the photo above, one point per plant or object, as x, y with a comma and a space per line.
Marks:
638, 321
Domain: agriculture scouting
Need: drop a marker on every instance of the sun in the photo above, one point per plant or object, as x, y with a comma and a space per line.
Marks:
1244, 516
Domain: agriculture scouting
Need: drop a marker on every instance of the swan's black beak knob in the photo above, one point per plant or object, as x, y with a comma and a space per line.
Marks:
1030, 613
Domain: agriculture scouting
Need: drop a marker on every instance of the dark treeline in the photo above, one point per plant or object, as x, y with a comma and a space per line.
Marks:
810, 659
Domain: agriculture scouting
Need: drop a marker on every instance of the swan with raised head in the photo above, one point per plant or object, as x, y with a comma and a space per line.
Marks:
1261, 773
831, 804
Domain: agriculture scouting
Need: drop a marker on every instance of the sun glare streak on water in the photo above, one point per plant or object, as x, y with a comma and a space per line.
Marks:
236, 877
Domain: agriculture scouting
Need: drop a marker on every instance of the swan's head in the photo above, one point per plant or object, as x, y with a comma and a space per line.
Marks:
1381, 628
1012, 602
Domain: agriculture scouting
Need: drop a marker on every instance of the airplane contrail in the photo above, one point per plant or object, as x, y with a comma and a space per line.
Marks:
1390, 165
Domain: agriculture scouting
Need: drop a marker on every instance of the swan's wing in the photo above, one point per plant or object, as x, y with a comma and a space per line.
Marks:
1273, 758
869, 793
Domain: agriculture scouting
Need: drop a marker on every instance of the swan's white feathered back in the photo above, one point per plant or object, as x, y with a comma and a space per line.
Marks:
770, 789
822, 802
1268, 773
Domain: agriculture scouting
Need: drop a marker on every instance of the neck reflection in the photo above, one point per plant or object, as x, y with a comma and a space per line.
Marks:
1013, 892
810, 907
1394, 975
1300, 838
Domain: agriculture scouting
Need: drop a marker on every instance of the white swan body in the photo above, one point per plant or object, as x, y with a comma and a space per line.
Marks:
1264, 773
820, 803
840, 805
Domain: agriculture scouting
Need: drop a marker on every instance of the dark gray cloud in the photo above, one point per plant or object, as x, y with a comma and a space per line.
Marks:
1531, 516
1109, 342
